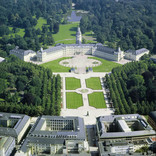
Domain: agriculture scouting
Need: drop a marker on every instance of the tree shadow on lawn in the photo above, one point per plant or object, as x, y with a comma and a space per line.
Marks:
73, 29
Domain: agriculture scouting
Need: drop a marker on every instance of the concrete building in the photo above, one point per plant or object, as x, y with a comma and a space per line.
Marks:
122, 134
14, 125
56, 135
135, 55
25, 55
7, 144
130, 126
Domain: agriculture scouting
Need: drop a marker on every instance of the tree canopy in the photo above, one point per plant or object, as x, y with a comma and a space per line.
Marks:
30, 88
129, 24
133, 87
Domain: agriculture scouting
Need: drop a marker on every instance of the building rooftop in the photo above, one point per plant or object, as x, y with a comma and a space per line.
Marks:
21, 51
53, 49
58, 128
55, 130
5, 142
12, 124
105, 49
137, 52
108, 126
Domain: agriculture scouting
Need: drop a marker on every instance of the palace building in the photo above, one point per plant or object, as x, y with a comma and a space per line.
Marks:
65, 50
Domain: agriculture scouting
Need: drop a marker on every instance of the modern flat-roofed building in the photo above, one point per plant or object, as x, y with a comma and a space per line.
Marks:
122, 134
56, 135
7, 144
130, 126
14, 125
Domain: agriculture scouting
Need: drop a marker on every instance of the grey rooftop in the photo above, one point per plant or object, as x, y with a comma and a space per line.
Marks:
21, 51
137, 52
14, 131
102, 132
44, 135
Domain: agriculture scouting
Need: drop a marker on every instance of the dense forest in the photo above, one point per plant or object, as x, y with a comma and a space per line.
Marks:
133, 87
23, 14
28, 88
129, 24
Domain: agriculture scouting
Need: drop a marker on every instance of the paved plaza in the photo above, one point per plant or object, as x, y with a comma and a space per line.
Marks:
80, 63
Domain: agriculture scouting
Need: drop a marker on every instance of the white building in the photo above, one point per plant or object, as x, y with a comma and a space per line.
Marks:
25, 55
7, 144
65, 50
135, 55
14, 125
52, 135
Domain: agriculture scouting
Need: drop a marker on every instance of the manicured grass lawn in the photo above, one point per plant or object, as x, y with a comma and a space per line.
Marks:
55, 66
72, 83
97, 100
94, 83
73, 100
66, 34
106, 65
40, 22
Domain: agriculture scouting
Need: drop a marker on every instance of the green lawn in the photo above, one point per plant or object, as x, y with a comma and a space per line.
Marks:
72, 83
73, 100
21, 32
106, 65
2, 100
94, 83
66, 34
89, 37
97, 100
40, 22
55, 66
